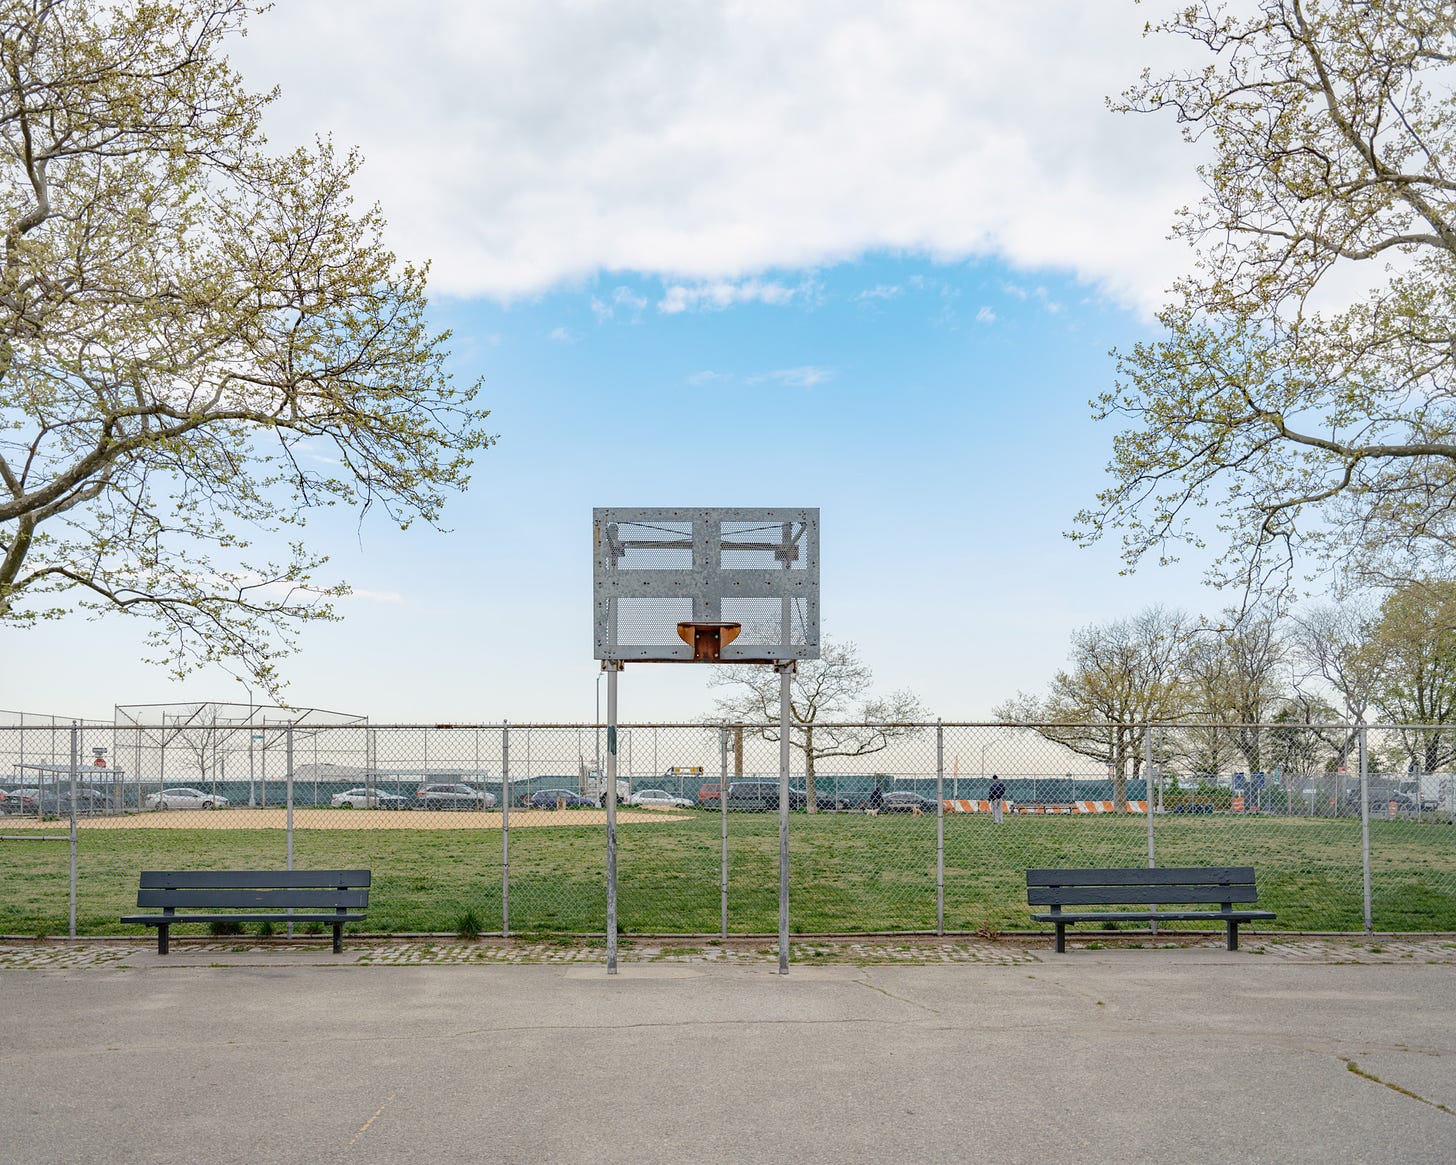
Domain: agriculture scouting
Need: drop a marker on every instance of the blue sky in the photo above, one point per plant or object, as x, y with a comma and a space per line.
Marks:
902, 333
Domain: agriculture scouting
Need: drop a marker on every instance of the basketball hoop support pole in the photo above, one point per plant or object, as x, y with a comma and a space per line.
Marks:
786, 672
612, 667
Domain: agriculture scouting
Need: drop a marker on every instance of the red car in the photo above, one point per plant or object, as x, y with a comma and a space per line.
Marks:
709, 796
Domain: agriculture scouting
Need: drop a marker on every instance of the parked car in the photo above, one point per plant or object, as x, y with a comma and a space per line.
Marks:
89, 802
550, 798
658, 799
903, 802
762, 795
367, 799
710, 797
185, 798
453, 796
1379, 802
21, 800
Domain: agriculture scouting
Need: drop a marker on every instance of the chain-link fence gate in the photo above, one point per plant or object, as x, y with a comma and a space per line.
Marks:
498, 829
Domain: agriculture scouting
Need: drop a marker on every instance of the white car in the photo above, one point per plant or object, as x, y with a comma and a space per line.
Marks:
366, 799
185, 798
658, 799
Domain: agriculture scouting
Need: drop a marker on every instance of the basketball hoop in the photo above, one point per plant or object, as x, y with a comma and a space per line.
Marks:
712, 585
708, 639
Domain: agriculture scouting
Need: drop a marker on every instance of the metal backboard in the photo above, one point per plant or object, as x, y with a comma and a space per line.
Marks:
656, 567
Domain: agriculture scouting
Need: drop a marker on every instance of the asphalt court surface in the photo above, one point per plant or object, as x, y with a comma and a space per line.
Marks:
287, 1054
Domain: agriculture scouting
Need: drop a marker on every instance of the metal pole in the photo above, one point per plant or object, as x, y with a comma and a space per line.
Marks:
1365, 825
289, 804
723, 813
785, 670
1148, 791
505, 831
1148, 801
939, 827
252, 791
612, 667
75, 760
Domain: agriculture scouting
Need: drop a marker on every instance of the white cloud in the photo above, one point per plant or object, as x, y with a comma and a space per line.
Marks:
623, 299
725, 293
985, 316
561, 335
524, 146
880, 291
805, 376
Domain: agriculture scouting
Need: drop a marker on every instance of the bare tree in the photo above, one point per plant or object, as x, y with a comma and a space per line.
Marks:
829, 712
1331, 644
1236, 680
1124, 675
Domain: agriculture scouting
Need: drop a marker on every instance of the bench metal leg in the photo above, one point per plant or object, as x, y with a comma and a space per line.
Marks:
1233, 935
163, 938
338, 938
1061, 938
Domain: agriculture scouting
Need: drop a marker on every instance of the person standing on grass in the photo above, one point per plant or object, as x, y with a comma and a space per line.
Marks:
996, 794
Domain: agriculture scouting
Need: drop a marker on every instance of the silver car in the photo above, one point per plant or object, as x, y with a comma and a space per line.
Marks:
658, 799
453, 796
366, 799
185, 798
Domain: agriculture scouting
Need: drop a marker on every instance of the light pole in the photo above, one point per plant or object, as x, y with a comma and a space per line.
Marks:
984, 747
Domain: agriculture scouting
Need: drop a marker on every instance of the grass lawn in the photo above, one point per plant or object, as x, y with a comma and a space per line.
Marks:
849, 872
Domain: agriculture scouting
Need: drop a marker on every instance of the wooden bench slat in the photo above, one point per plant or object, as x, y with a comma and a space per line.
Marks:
242, 899
1134, 895
1155, 916
1141, 876
181, 919
303, 879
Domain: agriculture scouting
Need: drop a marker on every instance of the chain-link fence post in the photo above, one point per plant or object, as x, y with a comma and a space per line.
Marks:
939, 827
1148, 801
288, 800
75, 760
613, 667
786, 671
723, 826
1365, 824
505, 830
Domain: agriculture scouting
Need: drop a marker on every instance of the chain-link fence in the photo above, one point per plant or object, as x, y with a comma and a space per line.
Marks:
500, 828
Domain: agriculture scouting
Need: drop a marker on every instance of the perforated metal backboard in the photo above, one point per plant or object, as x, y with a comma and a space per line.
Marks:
657, 567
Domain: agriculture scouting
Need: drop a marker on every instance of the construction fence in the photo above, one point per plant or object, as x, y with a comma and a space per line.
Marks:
500, 828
